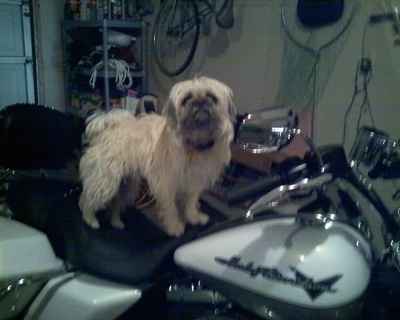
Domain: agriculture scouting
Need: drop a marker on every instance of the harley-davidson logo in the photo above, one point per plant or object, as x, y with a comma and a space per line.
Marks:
313, 288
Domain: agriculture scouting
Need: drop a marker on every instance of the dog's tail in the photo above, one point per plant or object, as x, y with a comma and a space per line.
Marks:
100, 121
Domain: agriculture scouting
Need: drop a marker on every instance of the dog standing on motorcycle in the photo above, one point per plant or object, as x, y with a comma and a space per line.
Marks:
178, 154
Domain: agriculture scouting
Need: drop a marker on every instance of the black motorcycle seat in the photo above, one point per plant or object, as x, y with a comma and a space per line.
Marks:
34, 137
138, 254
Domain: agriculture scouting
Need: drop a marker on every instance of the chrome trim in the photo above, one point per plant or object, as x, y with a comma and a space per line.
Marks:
395, 248
311, 219
194, 292
272, 198
18, 283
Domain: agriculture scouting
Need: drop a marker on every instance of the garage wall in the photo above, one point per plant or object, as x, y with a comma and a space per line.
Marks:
48, 15
248, 58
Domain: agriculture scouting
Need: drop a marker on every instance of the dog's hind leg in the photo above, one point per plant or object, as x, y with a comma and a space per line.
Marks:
98, 191
116, 208
125, 198
88, 211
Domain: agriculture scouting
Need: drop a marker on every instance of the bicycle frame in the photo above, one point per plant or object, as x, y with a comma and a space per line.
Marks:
205, 7
187, 22
177, 27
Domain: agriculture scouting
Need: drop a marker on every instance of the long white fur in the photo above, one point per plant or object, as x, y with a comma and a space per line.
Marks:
125, 149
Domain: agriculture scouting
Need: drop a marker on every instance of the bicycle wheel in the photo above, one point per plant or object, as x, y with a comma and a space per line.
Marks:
175, 35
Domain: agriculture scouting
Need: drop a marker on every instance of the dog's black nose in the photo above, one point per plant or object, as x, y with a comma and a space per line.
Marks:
202, 115
200, 103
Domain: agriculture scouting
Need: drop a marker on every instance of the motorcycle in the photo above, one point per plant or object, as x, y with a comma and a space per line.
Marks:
316, 242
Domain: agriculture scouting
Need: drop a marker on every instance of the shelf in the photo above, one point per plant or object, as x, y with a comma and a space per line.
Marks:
135, 73
81, 30
95, 32
99, 23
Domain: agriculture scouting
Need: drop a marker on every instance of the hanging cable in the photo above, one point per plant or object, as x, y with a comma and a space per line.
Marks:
355, 92
365, 69
122, 73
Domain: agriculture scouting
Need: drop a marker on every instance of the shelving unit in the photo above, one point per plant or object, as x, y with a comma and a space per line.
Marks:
95, 33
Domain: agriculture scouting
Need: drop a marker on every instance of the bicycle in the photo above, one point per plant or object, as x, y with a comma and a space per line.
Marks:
177, 28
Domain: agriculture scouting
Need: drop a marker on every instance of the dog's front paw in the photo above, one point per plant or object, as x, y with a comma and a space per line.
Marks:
117, 223
175, 229
91, 221
203, 218
197, 218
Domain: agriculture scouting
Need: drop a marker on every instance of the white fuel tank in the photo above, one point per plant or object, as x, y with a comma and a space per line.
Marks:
299, 261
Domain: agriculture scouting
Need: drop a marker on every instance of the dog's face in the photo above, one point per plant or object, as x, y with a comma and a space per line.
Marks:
200, 110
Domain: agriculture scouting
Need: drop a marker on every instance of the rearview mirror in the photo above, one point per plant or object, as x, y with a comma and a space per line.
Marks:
267, 130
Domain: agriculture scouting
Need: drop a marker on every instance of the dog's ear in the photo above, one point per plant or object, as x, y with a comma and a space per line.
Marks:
231, 106
227, 96
232, 110
169, 111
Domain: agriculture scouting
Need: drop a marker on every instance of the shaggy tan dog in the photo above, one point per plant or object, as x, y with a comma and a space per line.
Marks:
179, 154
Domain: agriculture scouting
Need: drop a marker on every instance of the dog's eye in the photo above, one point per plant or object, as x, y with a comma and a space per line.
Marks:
212, 97
186, 99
